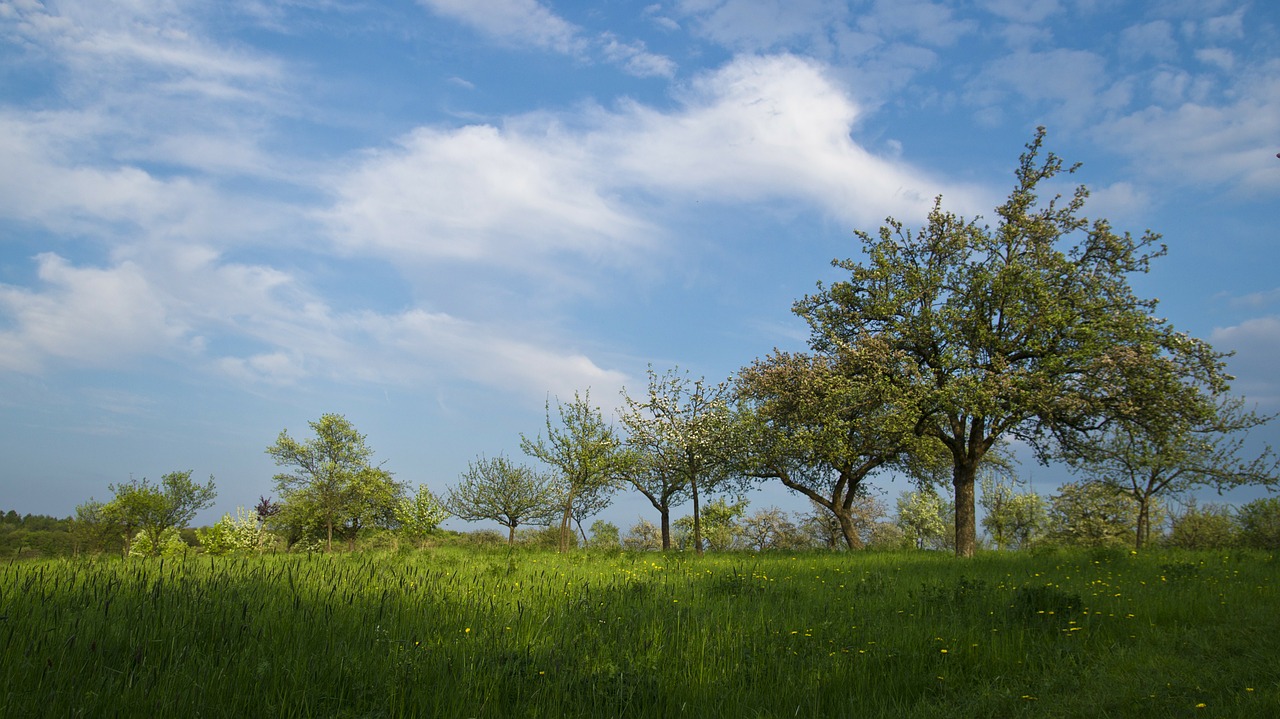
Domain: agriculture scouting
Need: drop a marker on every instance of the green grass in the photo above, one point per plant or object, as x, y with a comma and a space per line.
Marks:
489, 634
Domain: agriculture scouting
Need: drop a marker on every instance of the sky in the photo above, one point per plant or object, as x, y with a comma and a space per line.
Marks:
222, 220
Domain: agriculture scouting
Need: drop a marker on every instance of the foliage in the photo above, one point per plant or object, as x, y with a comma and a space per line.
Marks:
1209, 527
495, 489
721, 526
157, 508
1092, 514
773, 529
170, 544
605, 535
420, 514
643, 536
995, 332
1013, 519
823, 423
92, 528
1185, 440
332, 485
681, 442
923, 516
242, 534
588, 459
1260, 523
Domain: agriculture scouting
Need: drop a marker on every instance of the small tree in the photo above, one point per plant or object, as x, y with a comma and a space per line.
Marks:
923, 516
332, 483
642, 537
157, 508
1092, 514
241, 534
587, 457
92, 528
1012, 518
1209, 527
495, 489
1260, 523
604, 535
1183, 440
681, 440
420, 515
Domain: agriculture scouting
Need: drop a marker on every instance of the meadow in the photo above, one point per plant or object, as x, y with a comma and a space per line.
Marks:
455, 632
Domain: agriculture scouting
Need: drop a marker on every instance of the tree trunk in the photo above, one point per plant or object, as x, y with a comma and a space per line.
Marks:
966, 512
697, 519
666, 529
1144, 521
850, 532
328, 546
511, 536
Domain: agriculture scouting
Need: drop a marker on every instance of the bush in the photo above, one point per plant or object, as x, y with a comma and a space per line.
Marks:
1208, 527
1260, 523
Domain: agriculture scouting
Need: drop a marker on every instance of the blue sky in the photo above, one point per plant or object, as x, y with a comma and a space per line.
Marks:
220, 220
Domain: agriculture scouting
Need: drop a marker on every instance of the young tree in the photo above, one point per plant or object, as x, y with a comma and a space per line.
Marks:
495, 489
157, 508
92, 528
642, 537
1183, 441
332, 482
420, 514
822, 424
604, 535
922, 515
681, 443
1260, 523
1209, 527
587, 456
1092, 514
1012, 518
1000, 331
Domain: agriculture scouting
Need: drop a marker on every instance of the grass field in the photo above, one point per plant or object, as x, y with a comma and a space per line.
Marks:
470, 633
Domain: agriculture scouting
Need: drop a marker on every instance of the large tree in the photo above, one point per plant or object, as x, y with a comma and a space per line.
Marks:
157, 508
681, 438
1180, 444
587, 456
1027, 329
509, 494
332, 481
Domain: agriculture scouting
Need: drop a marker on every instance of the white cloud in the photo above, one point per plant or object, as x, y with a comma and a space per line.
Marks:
518, 22
1256, 343
529, 23
1231, 142
764, 128
1073, 81
86, 316
512, 197
1153, 39
635, 59
759, 129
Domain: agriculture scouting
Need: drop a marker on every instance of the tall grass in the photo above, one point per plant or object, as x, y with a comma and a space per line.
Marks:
490, 634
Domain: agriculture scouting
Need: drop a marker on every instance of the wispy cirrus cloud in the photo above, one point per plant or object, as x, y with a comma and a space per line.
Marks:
529, 23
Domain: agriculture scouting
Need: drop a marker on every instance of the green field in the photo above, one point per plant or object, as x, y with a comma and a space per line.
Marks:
471, 633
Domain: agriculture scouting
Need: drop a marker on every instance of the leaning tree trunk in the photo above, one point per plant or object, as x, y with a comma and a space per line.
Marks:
848, 530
